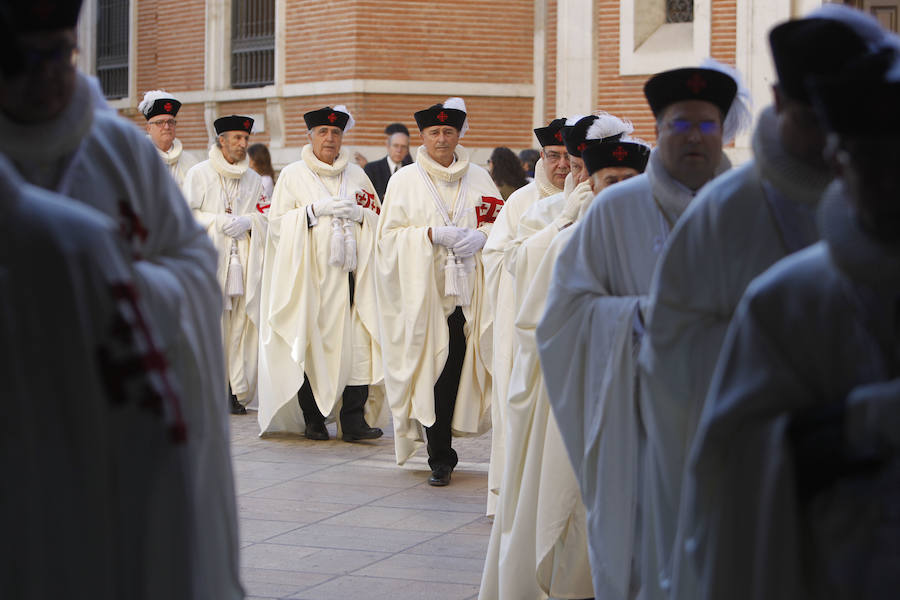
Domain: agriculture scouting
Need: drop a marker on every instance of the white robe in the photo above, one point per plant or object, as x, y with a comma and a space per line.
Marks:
308, 323
178, 161
207, 198
538, 545
588, 346
97, 486
806, 334
498, 298
412, 307
105, 162
742, 223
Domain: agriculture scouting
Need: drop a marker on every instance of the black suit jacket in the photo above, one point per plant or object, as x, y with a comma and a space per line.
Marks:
379, 172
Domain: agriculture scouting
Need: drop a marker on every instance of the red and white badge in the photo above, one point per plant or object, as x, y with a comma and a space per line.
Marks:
488, 209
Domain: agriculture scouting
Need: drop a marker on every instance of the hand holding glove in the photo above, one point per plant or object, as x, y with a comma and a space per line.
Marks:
348, 209
446, 235
469, 243
237, 227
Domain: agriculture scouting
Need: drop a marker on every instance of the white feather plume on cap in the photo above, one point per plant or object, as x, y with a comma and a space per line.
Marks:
350, 121
739, 117
607, 125
458, 104
151, 97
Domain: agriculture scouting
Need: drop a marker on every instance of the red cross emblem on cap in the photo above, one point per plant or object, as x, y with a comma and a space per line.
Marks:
558, 135
247, 124
696, 83
582, 146
620, 153
332, 118
442, 116
167, 107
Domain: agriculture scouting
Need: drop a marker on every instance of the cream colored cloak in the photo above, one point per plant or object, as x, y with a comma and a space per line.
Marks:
203, 187
308, 325
498, 299
178, 161
412, 307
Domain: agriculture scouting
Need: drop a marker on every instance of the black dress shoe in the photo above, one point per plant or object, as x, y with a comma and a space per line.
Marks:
367, 433
440, 476
316, 431
236, 407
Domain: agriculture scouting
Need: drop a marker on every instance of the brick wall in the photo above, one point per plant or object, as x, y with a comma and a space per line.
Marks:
550, 63
170, 45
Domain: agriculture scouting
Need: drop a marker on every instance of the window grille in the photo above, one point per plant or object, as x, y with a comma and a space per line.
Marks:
112, 47
679, 11
252, 43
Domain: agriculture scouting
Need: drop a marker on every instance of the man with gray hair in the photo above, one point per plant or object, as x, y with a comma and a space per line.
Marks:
160, 109
227, 199
320, 340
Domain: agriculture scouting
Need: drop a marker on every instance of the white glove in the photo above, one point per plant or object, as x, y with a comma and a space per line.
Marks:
469, 243
446, 235
237, 227
323, 208
223, 219
348, 209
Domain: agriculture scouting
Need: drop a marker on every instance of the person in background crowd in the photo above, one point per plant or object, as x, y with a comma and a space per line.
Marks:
160, 109
56, 139
227, 199
506, 171
380, 171
261, 162
529, 158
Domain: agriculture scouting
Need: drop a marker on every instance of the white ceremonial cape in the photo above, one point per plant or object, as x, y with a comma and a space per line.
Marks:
412, 307
308, 323
807, 333
207, 198
104, 161
538, 545
588, 344
178, 161
739, 225
97, 488
498, 299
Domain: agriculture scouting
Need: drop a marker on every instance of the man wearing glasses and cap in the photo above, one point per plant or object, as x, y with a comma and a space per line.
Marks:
160, 109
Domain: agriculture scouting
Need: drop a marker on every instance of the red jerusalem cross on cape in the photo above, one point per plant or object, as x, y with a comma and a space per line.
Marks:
488, 209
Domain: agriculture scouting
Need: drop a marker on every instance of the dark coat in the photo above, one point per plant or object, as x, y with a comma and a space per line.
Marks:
379, 172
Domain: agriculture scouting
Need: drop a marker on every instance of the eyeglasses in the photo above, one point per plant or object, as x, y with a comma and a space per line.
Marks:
552, 156
163, 123
685, 126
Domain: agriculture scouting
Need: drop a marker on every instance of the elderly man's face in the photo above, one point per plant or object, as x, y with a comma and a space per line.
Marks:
556, 164
46, 84
689, 141
234, 145
440, 143
579, 171
608, 176
398, 147
326, 142
161, 129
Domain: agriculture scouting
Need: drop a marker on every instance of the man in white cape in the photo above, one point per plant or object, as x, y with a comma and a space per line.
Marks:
97, 445
549, 176
57, 140
430, 281
791, 487
160, 109
738, 226
590, 332
539, 529
320, 341
227, 199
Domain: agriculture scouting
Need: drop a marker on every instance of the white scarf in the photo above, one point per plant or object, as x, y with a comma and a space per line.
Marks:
171, 156
343, 231
544, 185
225, 168
456, 269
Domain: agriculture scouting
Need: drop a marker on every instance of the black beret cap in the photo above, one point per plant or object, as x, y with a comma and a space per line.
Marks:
438, 115
692, 83
551, 135
233, 123
614, 153
326, 116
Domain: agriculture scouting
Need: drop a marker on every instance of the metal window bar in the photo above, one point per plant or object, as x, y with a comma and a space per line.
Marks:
252, 43
112, 47
679, 11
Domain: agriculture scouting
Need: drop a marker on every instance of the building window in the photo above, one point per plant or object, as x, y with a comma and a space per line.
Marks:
679, 11
252, 43
112, 47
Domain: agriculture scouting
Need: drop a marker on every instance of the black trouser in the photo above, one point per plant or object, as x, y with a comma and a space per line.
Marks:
440, 452
352, 411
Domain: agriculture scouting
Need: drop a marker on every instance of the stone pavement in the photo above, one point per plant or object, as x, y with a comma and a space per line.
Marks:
332, 520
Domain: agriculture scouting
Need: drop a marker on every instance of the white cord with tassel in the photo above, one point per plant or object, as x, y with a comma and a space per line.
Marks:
234, 280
